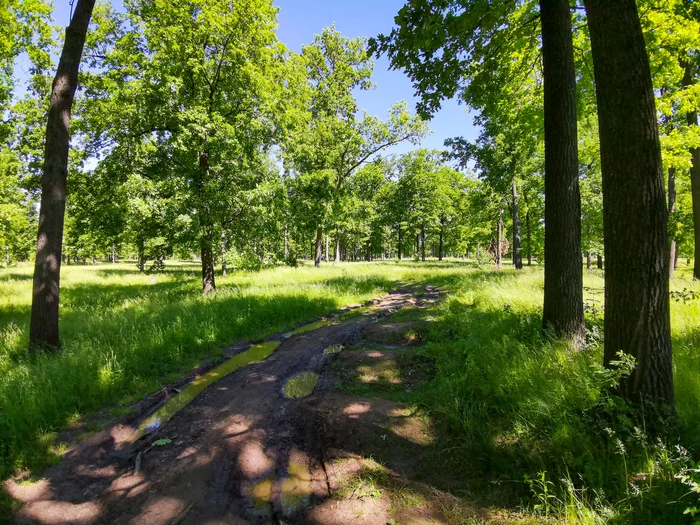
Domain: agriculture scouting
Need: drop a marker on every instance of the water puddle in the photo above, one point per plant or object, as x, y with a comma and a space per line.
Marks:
176, 403
296, 488
333, 349
308, 328
301, 385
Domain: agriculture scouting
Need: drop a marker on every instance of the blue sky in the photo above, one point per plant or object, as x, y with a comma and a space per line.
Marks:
300, 20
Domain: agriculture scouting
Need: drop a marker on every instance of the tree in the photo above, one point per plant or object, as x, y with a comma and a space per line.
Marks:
211, 76
43, 328
637, 311
563, 274
332, 137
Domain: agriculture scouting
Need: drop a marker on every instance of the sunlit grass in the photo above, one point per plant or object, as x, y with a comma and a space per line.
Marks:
124, 334
508, 401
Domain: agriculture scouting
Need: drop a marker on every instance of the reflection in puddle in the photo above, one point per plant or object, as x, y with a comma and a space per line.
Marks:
296, 488
178, 402
333, 349
301, 385
308, 328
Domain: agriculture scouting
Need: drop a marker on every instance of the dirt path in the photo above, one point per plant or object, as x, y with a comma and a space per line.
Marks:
241, 451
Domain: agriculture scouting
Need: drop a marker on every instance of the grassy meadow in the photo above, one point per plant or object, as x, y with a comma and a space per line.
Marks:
522, 418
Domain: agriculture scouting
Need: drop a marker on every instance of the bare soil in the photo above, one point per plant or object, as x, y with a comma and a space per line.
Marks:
242, 452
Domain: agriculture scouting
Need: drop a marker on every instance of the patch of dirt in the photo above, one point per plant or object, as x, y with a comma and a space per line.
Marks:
391, 333
385, 369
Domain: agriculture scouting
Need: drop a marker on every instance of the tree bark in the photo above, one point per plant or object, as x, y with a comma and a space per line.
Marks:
223, 254
43, 325
422, 241
635, 213
336, 259
206, 243
589, 264
529, 237
141, 262
399, 246
440, 247
113, 255
671, 212
517, 255
563, 271
599, 261
327, 246
692, 119
319, 247
499, 241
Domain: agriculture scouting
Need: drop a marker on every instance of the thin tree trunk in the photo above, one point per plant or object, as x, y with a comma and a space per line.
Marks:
336, 259
635, 213
422, 241
141, 262
442, 227
318, 247
589, 263
286, 242
671, 212
223, 254
43, 325
399, 246
529, 237
206, 244
327, 245
517, 255
599, 261
113, 254
692, 119
563, 272
499, 241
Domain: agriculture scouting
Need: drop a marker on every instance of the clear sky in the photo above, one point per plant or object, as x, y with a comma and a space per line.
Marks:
300, 20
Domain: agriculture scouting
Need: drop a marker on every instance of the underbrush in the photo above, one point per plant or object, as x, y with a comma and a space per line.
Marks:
533, 422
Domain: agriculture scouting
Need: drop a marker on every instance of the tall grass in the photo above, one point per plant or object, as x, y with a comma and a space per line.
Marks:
534, 420
521, 416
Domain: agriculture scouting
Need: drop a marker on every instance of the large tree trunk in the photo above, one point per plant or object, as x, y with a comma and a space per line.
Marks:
563, 271
207, 253
43, 326
671, 211
635, 213
517, 255
318, 247
692, 119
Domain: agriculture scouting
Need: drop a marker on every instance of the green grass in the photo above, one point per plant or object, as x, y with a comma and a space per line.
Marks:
528, 414
124, 334
521, 418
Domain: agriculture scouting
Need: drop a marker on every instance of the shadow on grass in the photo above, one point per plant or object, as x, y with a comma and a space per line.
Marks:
16, 277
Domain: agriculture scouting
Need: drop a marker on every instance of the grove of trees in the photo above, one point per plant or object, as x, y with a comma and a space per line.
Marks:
194, 132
